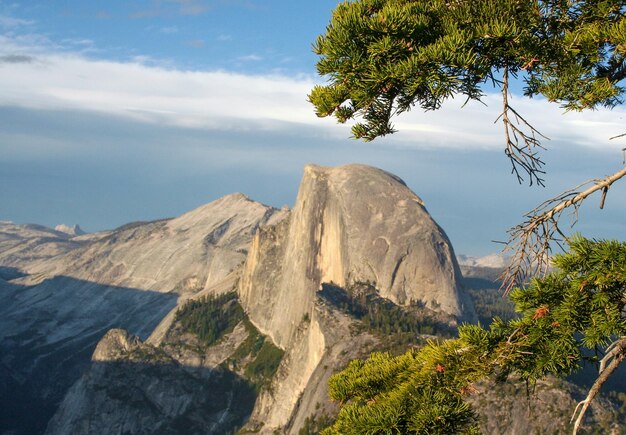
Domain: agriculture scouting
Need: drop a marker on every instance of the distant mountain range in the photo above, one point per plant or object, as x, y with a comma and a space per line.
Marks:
498, 260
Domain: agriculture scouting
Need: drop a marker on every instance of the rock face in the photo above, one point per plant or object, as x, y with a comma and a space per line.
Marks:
132, 387
350, 224
60, 294
23, 245
188, 253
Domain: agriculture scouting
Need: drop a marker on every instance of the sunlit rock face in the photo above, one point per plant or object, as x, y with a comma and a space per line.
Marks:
72, 231
349, 224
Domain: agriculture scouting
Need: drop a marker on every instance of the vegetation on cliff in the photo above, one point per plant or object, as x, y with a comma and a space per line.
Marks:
398, 326
257, 358
210, 317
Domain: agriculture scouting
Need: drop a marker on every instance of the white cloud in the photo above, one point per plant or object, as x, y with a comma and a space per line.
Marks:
10, 22
169, 30
223, 100
78, 41
250, 58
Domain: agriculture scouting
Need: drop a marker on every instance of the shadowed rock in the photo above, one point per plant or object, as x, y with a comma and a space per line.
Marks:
60, 294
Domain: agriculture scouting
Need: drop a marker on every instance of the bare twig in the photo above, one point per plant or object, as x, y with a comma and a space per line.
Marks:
615, 356
531, 240
520, 145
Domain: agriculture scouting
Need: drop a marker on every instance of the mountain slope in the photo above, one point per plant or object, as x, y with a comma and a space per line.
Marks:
60, 294
358, 266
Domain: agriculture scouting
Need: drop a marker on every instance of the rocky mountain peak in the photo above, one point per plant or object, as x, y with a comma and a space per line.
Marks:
115, 344
352, 223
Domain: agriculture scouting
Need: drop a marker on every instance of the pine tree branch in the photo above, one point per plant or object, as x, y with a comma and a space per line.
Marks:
531, 240
617, 355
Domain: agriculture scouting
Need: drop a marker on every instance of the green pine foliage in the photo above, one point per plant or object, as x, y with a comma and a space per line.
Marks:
265, 364
383, 57
210, 317
257, 358
380, 316
580, 305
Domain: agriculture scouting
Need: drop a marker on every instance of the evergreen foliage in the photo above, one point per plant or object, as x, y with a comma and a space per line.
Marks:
380, 316
210, 317
257, 357
578, 306
265, 364
489, 303
383, 57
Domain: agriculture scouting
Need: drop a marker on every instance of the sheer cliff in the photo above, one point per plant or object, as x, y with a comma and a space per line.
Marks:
352, 223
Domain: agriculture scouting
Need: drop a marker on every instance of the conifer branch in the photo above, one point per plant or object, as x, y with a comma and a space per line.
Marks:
531, 240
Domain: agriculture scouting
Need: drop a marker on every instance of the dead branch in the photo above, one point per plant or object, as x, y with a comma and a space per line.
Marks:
531, 240
611, 352
615, 356
521, 145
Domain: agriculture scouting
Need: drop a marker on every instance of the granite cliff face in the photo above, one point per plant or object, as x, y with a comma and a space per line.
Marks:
350, 224
133, 387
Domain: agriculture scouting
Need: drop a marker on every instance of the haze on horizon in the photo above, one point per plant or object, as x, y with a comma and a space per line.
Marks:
141, 110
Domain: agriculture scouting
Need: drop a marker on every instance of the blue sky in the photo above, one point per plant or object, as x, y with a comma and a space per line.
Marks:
112, 112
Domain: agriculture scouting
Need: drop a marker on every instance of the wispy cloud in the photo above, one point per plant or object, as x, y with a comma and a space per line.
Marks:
169, 30
224, 37
146, 91
16, 58
78, 41
169, 7
250, 58
8, 22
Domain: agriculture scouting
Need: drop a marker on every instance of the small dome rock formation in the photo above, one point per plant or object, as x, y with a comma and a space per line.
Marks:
75, 230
